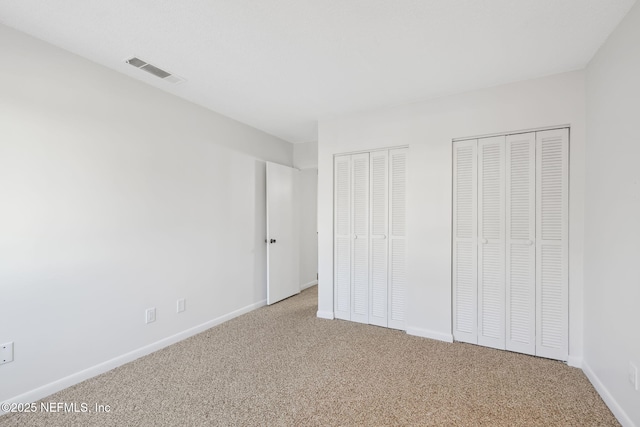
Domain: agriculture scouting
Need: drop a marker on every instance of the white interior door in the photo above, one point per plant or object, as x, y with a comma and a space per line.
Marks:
360, 238
342, 237
378, 300
491, 248
398, 237
521, 250
370, 237
552, 232
513, 292
282, 239
465, 241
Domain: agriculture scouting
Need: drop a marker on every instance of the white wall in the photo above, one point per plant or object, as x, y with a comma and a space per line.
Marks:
305, 155
305, 158
612, 219
116, 197
428, 128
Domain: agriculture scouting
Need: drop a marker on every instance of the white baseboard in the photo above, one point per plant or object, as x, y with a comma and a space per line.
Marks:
574, 362
325, 315
604, 393
425, 333
55, 386
308, 285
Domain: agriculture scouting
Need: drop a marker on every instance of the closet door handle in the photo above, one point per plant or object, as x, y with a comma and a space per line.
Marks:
529, 242
485, 241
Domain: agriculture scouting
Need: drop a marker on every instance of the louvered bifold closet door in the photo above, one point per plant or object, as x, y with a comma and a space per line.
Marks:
360, 238
465, 244
398, 160
342, 236
552, 208
491, 248
379, 237
520, 254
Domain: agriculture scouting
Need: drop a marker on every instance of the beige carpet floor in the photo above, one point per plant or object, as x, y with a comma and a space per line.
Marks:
280, 365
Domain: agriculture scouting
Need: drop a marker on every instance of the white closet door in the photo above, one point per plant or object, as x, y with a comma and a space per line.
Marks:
552, 207
520, 254
360, 238
342, 236
491, 249
465, 242
379, 237
398, 237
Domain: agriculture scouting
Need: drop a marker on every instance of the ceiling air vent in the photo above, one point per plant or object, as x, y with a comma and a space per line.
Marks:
152, 69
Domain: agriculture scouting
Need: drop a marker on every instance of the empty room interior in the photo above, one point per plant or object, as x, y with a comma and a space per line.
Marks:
329, 212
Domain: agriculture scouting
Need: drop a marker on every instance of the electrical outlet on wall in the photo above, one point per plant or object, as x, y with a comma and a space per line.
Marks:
181, 305
6, 352
633, 375
150, 315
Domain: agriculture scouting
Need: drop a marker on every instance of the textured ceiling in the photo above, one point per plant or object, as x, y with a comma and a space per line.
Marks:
280, 65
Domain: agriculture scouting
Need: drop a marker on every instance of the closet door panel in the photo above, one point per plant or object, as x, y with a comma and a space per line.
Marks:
520, 254
360, 238
491, 249
342, 237
379, 238
465, 243
552, 208
398, 238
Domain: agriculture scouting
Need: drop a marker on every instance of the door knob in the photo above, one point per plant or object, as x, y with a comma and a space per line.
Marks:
529, 242
485, 241
272, 241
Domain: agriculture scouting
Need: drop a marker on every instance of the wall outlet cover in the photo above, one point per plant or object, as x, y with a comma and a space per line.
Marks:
633, 375
181, 305
150, 315
6, 353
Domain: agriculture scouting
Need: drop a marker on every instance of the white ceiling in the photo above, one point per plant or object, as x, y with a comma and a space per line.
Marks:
280, 65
